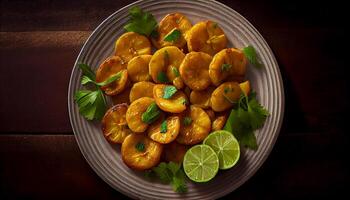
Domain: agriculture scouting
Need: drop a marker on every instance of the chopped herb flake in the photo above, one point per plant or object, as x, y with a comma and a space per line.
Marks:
163, 127
187, 121
169, 91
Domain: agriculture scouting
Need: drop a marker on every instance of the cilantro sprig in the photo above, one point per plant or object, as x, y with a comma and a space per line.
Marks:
141, 22
251, 55
170, 173
92, 103
245, 119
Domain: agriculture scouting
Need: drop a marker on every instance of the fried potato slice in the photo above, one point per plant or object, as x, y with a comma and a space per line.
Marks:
197, 130
109, 67
175, 104
141, 89
140, 153
156, 133
225, 96
122, 97
201, 98
178, 83
114, 125
194, 70
210, 113
245, 87
171, 22
174, 152
130, 45
134, 114
138, 68
206, 37
167, 61
229, 64
219, 122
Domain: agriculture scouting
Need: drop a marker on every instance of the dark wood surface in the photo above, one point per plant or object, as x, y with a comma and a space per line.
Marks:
39, 41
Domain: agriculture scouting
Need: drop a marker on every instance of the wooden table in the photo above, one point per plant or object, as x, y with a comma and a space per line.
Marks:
40, 40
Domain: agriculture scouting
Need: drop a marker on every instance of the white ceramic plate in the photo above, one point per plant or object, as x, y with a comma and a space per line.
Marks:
105, 158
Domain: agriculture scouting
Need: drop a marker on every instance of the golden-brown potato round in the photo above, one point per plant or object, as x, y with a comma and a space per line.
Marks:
163, 60
144, 159
201, 98
114, 125
141, 89
178, 83
206, 37
219, 122
245, 87
109, 67
225, 96
175, 104
173, 128
194, 70
174, 152
123, 97
134, 114
210, 113
132, 44
234, 70
174, 21
138, 68
199, 128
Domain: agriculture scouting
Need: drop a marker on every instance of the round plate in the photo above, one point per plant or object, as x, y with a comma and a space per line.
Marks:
105, 158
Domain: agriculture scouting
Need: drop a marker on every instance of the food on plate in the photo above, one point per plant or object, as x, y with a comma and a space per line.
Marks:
130, 45
114, 125
135, 112
171, 31
140, 153
176, 103
192, 109
195, 126
228, 65
225, 96
109, 67
166, 130
138, 68
206, 37
141, 89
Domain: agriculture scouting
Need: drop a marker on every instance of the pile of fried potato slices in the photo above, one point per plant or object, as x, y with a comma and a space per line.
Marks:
204, 77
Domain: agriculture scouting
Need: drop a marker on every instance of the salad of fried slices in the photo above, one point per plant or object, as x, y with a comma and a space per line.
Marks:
185, 109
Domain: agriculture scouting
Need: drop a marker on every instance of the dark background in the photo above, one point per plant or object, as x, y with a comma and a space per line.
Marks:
40, 40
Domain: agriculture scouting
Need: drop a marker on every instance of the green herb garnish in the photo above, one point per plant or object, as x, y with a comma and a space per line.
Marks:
140, 146
175, 71
187, 121
151, 114
225, 67
169, 91
85, 79
173, 36
227, 90
251, 55
163, 127
245, 119
140, 22
161, 77
184, 101
171, 173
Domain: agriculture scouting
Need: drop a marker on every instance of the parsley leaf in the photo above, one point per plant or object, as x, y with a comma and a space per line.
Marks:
251, 55
140, 22
161, 77
187, 121
173, 36
85, 79
91, 104
163, 127
171, 173
151, 114
169, 91
140, 146
87, 71
245, 119
225, 67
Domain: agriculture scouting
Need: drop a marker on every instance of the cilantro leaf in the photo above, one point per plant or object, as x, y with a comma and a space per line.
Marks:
187, 121
173, 36
140, 146
151, 114
87, 71
85, 79
140, 22
169, 91
91, 104
161, 77
251, 55
163, 127
171, 173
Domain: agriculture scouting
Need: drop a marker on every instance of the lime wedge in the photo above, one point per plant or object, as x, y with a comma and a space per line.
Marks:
201, 163
225, 146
